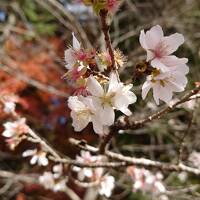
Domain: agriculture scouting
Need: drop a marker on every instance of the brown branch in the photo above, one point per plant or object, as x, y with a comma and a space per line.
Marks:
105, 28
143, 162
125, 122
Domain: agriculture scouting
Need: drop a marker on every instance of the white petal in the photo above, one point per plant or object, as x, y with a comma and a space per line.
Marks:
29, 153
145, 88
8, 133
113, 82
34, 160
108, 115
97, 125
43, 161
79, 122
94, 87
76, 44
75, 104
156, 92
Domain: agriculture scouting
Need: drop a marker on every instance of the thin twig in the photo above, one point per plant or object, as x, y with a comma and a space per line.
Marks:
126, 123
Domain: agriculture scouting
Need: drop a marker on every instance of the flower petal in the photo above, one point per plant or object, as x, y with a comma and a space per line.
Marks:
94, 87
172, 42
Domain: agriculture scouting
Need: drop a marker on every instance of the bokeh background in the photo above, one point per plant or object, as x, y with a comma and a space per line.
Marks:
33, 37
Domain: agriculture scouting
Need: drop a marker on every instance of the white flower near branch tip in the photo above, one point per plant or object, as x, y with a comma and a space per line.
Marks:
84, 111
194, 158
159, 47
145, 181
87, 158
165, 83
38, 157
49, 182
117, 96
15, 129
70, 56
106, 185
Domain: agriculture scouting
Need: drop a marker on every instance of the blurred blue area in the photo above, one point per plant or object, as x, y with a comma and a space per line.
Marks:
2, 16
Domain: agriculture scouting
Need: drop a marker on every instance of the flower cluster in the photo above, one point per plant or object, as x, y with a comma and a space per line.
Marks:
15, 132
145, 181
38, 156
98, 107
54, 181
105, 182
169, 72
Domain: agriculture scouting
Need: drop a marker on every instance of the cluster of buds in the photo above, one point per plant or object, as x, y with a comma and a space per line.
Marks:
104, 182
81, 62
145, 181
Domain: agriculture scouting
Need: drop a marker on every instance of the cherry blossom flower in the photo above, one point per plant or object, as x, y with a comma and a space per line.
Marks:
159, 47
58, 170
194, 158
49, 182
165, 83
85, 172
145, 181
70, 53
84, 111
15, 129
106, 185
117, 96
38, 157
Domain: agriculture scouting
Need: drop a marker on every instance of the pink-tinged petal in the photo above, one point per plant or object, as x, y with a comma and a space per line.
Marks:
145, 89
156, 63
172, 42
76, 44
172, 61
153, 37
182, 69
108, 115
94, 87
150, 55
69, 58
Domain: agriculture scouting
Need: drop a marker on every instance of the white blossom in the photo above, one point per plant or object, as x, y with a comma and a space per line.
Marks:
116, 96
84, 111
85, 172
49, 182
145, 181
106, 185
165, 83
15, 129
194, 158
38, 157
